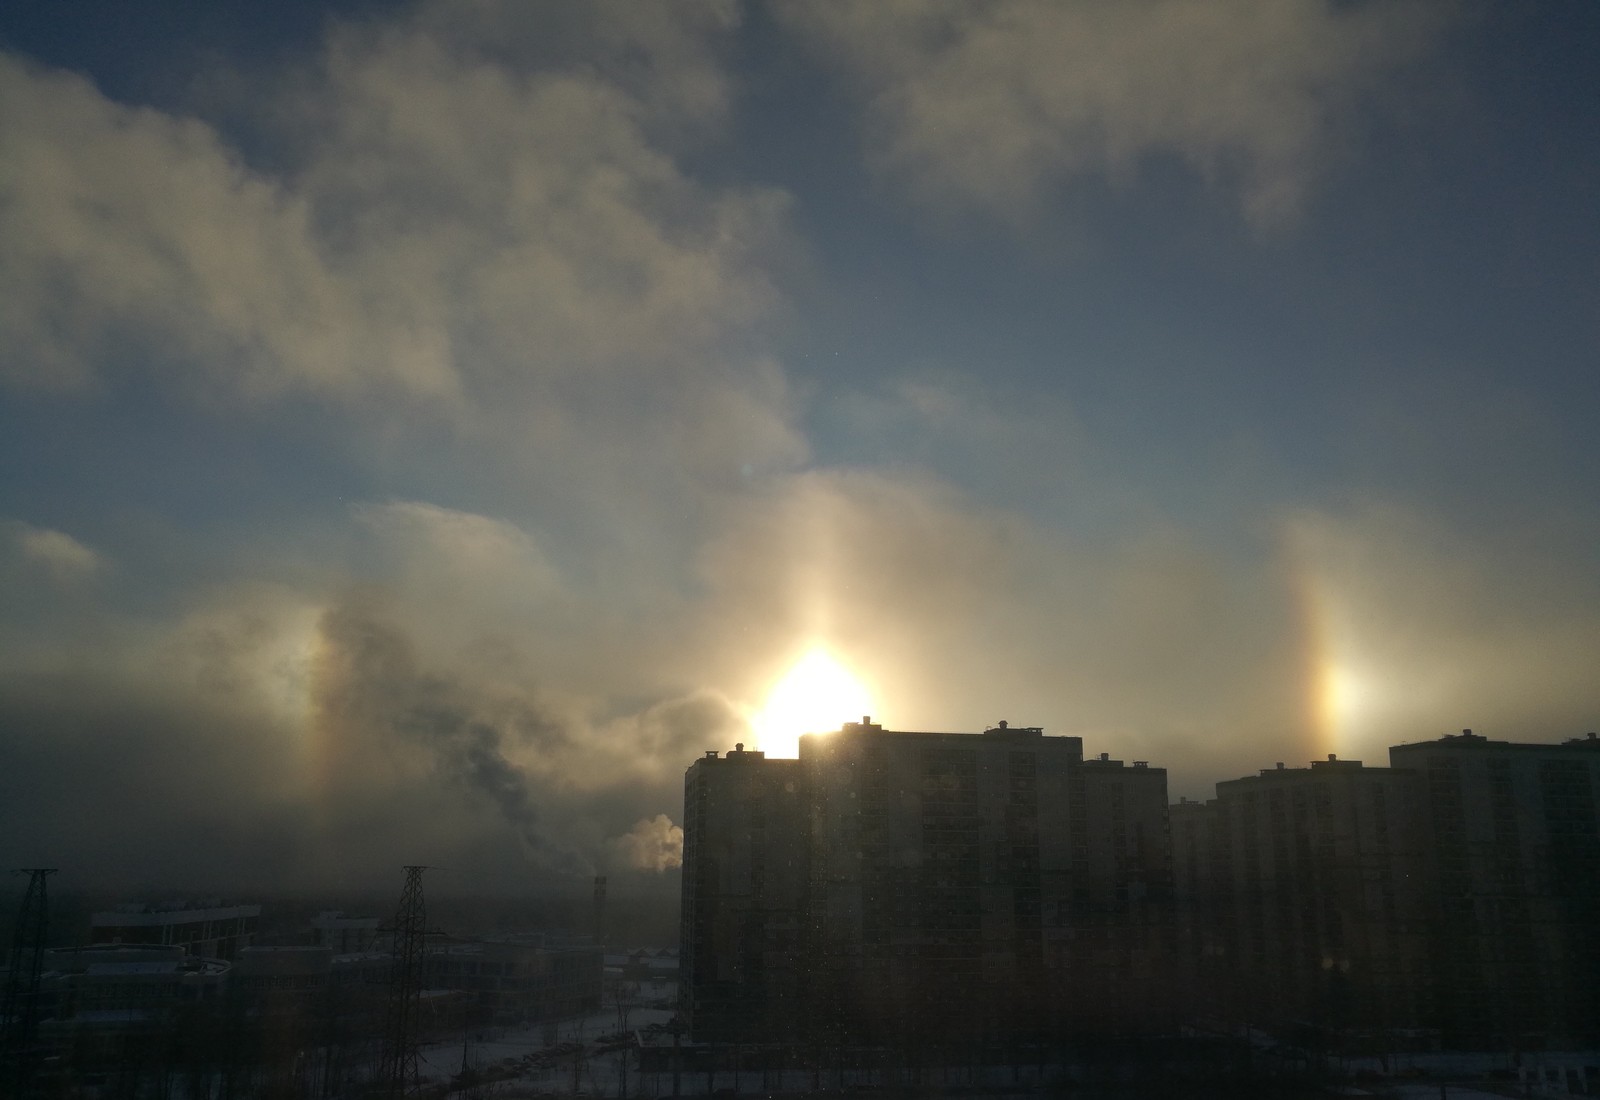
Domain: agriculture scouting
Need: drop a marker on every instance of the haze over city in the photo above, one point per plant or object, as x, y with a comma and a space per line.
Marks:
425, 428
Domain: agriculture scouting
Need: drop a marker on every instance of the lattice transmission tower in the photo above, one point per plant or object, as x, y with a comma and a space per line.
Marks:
398, 1071
19, 1015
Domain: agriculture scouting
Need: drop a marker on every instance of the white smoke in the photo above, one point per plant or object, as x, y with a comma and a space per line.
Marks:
653, 844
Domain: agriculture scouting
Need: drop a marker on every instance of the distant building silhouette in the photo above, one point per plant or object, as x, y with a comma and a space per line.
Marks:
902, 887
1301, 897
1455, 893
343, 933
745, 861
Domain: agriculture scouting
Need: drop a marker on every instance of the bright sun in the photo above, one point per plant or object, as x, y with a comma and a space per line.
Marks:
816, 695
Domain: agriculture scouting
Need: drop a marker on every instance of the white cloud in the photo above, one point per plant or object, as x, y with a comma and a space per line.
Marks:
62, 558
473, 216
449, 549
993, 105
129, 235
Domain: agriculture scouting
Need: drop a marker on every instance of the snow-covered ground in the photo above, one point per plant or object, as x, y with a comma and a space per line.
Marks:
525, 1062
581, 1056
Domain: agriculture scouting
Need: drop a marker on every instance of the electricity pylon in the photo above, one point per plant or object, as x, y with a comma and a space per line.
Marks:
398, 1071
20, 1019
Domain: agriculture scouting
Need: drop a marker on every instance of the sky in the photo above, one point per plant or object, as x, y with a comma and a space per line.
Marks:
426, 428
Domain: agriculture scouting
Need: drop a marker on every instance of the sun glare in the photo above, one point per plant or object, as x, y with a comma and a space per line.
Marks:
816, 695
1347, 698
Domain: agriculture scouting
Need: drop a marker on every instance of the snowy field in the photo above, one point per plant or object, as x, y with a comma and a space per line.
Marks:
583, 1056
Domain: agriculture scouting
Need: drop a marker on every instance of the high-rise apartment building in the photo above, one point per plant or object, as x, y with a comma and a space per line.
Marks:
1301, 897
901, 886
1514, 836
745, 867
1456, 892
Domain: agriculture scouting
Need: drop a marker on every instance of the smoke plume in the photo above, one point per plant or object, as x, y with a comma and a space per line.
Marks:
653, 844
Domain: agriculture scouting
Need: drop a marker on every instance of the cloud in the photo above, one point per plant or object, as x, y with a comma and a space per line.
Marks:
653, 844
62, 558
993, 106
268, 736
665, 56
464, 573
132, 235
466, 216
312, 735
470, 240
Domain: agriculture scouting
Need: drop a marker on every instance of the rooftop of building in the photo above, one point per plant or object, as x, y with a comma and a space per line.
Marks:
186, 967
134, 915
90, 952
1002, 731
741, 755
1316, 769
1469, 741
337, 918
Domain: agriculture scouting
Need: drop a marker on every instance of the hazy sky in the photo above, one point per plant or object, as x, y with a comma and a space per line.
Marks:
425, 428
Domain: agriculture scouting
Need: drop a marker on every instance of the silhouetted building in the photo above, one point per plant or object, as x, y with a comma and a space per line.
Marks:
1108, 915
744, 879
1513, 831
1301, 899
1200, 861
911, 887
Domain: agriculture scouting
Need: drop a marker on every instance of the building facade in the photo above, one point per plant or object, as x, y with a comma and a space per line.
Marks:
902, 889
745, 873
897, 887
344, 934
206, 929
1513, 831
1301, 897
513, 979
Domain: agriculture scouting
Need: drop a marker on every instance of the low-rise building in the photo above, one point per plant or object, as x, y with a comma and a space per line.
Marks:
343, 934
514, 979
208, 930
